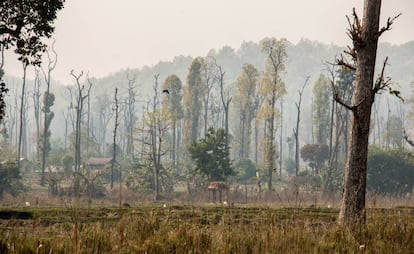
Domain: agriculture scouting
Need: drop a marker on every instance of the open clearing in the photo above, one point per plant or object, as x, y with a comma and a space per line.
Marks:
169, 228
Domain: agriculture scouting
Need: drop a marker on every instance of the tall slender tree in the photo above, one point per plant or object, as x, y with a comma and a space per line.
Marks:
296, 130
193, 101
321, 109
225, 97
172, 102
274, 88
22, 125
130, 114
247, 84
80, 95
45, 147
37, 110
52, 57
113, 162
209, 79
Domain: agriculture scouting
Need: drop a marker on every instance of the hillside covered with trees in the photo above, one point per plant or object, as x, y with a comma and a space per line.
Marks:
253, 93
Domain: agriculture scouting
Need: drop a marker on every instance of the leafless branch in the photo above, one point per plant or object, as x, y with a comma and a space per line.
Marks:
387, 27
380, 83
339, 100
355, 31
384, 83
408, 140
343, 62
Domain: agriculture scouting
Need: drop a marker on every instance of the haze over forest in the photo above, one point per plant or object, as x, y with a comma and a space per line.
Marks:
306, 58
125, 47
103, 37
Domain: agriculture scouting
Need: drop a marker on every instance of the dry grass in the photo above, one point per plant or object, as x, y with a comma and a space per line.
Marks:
205, 229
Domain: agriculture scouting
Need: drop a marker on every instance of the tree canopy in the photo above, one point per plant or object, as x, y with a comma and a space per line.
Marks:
315, 155
390, 171
9, 178
24, 23
212, 155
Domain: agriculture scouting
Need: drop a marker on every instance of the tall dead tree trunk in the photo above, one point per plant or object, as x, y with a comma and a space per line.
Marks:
37, 111
365, 41
296, 130
208, 72
50, 67
225, 99
22, 115
281, 139
80, 98
155, 146
114, 140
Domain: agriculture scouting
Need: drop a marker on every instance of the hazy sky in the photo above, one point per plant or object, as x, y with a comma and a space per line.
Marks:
104, 36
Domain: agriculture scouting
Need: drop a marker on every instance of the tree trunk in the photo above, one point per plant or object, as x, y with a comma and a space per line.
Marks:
242, 132
365, 42
174, 142
296, 131
22, 114
114, 139
281, 139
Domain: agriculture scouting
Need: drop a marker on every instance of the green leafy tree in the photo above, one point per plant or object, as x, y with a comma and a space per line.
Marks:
9, 178
316, 155
245, 169
67, 163
212, 155
321, 109
390, 171
24, 24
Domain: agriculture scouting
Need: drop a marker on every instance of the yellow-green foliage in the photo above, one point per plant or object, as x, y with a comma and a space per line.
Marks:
207, 229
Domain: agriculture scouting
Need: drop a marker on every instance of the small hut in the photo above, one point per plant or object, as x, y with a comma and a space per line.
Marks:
98, 163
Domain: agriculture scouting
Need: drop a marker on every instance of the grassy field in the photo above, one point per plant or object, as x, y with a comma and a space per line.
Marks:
169, 228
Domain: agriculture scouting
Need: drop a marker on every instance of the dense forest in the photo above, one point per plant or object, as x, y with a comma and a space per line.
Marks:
273, 99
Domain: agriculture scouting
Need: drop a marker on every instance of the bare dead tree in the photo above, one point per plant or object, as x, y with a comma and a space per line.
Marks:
156, 157
22, 115
80, 98
105, 114
88, 112
296, 130
208, 71
281, 139
36, 110
116, 108
364, 36
51, 65
225, 97
407, 139
152, 136
130, 116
